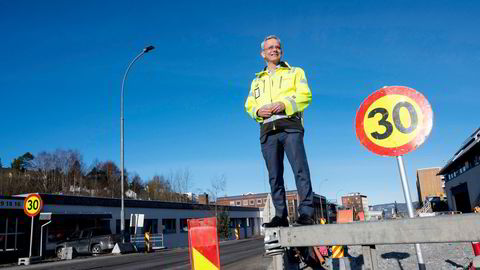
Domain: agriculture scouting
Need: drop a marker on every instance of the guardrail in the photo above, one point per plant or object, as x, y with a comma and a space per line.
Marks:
439, 229
139, 241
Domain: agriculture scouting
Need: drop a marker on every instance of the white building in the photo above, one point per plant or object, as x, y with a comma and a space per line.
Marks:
71, 213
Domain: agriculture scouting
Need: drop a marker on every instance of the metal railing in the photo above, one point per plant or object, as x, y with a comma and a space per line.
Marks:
426, 208
439, 229
139, 241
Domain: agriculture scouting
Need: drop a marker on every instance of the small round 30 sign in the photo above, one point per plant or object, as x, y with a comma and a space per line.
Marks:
32, 205
393, 121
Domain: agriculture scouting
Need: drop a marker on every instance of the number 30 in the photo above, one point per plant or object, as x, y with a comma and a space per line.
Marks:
396, 120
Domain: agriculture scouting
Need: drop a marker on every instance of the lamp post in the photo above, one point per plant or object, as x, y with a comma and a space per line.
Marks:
321, 203
336, 195
122, 211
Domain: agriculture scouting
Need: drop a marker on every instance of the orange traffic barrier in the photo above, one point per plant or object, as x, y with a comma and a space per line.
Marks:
237, 232
345, 216
476, 248
361, 216
148, 243
203, 244
338, 252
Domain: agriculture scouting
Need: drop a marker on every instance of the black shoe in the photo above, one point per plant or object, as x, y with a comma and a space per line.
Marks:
305, 220
276, 222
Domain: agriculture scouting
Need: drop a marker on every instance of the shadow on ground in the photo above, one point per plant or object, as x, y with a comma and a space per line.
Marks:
398, 256
454, 264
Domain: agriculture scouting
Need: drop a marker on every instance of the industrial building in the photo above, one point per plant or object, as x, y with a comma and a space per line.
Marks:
71, 213
462, 175
429, 184
260, 199
355, 201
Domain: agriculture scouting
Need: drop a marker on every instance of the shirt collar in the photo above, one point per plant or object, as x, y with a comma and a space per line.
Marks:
280, 65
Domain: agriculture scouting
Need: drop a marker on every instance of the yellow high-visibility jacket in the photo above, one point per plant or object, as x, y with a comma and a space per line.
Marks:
287, 85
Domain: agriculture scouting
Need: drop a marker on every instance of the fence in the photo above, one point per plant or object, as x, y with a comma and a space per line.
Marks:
439, 229
139, 241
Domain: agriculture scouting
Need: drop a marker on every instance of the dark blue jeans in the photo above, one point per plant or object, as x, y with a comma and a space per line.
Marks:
273, 149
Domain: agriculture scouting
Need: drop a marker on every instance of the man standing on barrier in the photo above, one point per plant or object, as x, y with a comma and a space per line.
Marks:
278, 96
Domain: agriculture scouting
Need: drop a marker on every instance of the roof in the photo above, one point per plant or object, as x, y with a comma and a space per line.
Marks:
466, 147
431, 168
251, 195
243, 196
110, 202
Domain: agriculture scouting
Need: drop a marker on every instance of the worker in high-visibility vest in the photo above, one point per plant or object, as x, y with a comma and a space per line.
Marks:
278, 96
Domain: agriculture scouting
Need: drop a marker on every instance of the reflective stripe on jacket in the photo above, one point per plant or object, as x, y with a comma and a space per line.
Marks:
287, 85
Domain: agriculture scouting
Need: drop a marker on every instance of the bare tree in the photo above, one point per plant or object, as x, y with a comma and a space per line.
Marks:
46, 172
180, 183
218, 184
158, 188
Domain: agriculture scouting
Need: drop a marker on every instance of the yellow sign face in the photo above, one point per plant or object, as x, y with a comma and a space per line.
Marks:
392, 120
33, 205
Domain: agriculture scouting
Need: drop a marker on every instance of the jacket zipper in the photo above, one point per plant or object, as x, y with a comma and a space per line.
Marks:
271, 100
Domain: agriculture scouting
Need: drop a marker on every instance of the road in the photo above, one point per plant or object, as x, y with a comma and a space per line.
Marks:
234, 255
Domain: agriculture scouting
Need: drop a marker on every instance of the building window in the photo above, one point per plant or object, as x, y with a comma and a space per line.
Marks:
169, 225
245, 202
232, 203
150, 225
238, 203
259, 201
252, 202
264, 200
183, 225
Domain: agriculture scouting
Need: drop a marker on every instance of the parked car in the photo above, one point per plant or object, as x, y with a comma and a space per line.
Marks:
89, 241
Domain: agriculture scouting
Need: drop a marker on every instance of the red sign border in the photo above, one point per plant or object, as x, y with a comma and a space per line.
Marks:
25, 204
415, 142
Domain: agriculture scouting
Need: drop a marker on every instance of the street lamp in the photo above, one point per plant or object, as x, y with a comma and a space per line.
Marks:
321, 204
122, 211
336, 195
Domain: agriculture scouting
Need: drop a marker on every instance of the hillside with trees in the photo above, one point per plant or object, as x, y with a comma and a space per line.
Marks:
65, 172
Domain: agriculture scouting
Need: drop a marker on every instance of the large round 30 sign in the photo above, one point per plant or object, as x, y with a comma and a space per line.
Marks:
394, 120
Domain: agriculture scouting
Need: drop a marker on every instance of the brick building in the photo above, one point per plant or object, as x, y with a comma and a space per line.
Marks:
355, 201
260, 199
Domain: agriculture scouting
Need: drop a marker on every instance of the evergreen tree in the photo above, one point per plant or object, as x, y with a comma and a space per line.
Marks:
223, 223
23, 162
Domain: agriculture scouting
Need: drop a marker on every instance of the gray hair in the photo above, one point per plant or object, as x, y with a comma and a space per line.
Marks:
267, 38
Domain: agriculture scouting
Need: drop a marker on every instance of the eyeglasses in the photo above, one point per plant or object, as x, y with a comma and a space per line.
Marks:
273, 47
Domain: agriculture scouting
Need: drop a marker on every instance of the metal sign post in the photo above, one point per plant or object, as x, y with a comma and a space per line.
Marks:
31, 238
32, 206
393, 121
408, 200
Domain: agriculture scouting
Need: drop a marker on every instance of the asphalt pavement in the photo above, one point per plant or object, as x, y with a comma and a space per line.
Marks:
247, 254
244, 254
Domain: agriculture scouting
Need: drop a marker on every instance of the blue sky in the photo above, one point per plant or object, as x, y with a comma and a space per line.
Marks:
62, 63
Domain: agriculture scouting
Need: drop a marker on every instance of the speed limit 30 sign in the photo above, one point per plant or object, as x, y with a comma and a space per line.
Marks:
32, 205
393, 121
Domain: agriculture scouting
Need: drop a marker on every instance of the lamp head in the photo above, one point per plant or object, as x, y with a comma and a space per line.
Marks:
147, 49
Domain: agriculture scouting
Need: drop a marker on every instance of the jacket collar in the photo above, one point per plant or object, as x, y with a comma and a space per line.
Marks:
280, 65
